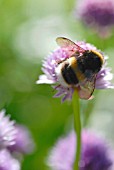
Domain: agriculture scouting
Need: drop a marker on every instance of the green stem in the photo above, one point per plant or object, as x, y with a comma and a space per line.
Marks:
77, 127
88, 112
89, 109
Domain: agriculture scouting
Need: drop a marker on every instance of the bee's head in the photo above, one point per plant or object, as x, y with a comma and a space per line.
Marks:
91, 60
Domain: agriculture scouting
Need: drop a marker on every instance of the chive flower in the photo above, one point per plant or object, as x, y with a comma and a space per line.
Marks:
7, 130
7, 161
50, 76
14, 138
95, 153
23, 141
97, 14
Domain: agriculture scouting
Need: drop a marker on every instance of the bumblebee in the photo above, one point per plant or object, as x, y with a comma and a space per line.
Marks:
80, 69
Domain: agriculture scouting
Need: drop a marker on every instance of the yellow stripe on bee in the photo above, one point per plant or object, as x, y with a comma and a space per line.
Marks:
73, 64
80, 75
99, 55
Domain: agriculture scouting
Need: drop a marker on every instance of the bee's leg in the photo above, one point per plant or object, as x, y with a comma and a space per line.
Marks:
59, 62
55, 88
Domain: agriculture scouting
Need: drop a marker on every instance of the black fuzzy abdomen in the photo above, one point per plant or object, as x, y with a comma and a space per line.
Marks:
89, 61
69, 75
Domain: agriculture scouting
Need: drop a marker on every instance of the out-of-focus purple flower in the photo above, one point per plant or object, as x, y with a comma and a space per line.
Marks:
95, 153
103, 79
7, 131
13, 138
98, 14
7, 162
23, 141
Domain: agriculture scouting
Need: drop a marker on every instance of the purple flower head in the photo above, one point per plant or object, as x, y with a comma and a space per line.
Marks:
95, 154
7, 131
99, 14
7, 162
23, 141
51, 73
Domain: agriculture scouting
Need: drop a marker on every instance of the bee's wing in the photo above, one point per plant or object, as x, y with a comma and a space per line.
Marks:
67, 43
64, 42
86, 90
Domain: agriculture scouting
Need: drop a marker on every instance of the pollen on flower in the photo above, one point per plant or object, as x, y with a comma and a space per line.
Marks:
60, 72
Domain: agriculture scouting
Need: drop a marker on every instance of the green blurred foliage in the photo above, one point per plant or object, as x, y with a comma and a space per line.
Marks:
28, 29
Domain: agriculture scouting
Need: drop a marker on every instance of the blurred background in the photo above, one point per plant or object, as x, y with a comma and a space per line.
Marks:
28, 29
